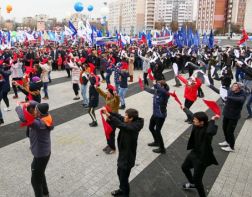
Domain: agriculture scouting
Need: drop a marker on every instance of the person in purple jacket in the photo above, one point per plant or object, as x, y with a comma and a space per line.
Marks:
40, 144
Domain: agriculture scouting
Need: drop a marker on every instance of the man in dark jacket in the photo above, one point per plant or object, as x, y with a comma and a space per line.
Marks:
129, 126
40, 143
232, 113
5, 88
160, 100
248, 71
201, 155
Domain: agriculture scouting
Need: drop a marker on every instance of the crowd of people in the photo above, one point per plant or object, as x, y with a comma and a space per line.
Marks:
28, 69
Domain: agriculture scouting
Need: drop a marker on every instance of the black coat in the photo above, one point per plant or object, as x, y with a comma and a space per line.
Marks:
248, 71
127, 139
205, 150
234, 104
93, 94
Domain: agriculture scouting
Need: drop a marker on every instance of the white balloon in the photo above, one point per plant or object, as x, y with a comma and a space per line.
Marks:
104, 11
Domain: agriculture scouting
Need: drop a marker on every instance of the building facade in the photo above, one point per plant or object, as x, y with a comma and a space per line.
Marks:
115, 17
127, 16
174, 10
212, 14
238, 12
248, 17
149, 15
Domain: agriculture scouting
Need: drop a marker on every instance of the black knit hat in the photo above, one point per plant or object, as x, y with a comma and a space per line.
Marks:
43, 108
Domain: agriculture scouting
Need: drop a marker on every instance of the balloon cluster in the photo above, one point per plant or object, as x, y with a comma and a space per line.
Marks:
78, 7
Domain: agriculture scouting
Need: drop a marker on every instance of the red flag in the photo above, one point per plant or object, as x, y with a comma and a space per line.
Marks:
244, 37
144, 40
31, 62
150, 74
92, 67
29, 70
140, 81
174, 95
28, 117
107, 128
20, 82
213, 106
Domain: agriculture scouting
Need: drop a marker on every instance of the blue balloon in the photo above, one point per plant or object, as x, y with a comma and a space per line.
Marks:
78, 7
90, 8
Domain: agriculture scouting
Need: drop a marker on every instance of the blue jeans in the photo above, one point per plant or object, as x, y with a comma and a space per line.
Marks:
117, 86
84, 94
45, 88
108, 78
248, 105
122, 93
239, 75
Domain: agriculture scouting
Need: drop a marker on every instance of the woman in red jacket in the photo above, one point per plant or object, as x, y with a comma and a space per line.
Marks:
59, 62
191, 91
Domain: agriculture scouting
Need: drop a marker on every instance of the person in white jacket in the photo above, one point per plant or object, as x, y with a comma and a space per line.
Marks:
146, 65
17, 75
75, 77
44, 77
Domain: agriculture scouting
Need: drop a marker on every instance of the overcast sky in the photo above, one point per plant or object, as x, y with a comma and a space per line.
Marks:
53, 8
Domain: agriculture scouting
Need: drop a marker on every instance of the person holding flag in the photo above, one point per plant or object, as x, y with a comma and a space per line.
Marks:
130, 125
192, 86
112, 101
40, 141
201, 155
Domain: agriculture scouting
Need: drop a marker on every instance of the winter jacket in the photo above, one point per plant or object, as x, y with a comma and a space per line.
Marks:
93, 94
39, 134
160, 100
158, 72
16, 70
116, 69
59, 61
45, 70
248, 71
146, 63
112, 102
127, 139
200, 142
124, 79
234, 104
6, 81
84, 78
191, 91
75, 72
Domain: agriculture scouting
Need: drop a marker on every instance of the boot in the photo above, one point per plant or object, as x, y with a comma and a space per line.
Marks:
122, 107
93, 124
131, 78
159, 150
1, 121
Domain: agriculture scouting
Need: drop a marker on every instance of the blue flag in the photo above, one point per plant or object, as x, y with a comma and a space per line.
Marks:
205, 40
51, 36
73, 29
196, 39
211, 40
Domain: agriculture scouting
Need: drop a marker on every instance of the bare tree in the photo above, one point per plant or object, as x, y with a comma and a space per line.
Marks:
174, 26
